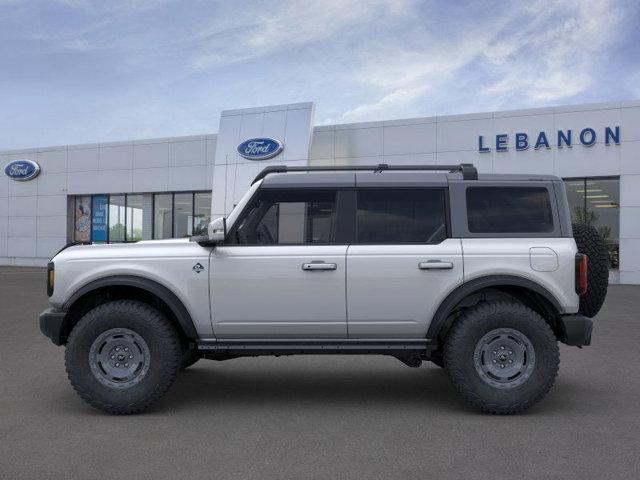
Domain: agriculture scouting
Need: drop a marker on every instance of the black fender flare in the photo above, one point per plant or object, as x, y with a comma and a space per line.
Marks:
439, 319
163, 293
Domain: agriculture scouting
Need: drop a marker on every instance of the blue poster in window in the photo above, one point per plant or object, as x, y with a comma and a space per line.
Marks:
99, 206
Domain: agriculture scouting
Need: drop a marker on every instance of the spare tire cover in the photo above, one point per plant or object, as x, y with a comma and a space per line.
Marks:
590, 242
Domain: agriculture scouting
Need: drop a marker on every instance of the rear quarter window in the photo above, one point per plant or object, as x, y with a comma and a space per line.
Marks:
509, 210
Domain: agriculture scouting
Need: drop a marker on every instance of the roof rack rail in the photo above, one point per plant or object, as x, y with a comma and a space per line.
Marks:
469, 172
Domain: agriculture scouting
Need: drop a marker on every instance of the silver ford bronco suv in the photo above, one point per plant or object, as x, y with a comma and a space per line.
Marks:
482, 275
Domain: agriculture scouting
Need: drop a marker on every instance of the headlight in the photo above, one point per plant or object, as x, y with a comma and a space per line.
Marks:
51, 275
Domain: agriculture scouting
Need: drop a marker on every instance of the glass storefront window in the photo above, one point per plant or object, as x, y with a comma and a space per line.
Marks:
201, 213
596, 202
134, 218
183, 215
82, 219
108, 218
117, 218
162, 215
99, 216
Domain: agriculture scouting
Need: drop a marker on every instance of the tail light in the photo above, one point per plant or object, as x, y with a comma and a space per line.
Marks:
582, 262
50, 278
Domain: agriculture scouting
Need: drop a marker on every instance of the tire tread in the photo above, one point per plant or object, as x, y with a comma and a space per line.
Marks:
459, 334
164, 330
591, 243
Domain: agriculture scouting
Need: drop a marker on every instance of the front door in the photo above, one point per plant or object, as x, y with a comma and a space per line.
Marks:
280, 273
402, 263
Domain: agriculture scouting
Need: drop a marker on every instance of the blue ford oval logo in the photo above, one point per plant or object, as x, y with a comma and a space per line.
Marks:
260, 148
22, 170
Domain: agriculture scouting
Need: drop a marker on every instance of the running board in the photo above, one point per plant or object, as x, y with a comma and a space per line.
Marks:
317, 347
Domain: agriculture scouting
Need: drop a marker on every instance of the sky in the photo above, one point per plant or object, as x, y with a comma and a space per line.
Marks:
80, 71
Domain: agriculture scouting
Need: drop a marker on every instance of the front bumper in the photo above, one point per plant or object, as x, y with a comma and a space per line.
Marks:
576, 330
51, 325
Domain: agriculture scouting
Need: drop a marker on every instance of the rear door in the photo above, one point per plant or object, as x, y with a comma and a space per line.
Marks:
402, 262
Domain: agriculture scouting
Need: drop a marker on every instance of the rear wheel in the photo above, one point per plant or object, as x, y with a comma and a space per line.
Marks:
502, 357
122, 356
437, 360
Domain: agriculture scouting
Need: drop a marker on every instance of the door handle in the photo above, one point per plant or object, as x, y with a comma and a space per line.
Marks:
435, 265
319, 266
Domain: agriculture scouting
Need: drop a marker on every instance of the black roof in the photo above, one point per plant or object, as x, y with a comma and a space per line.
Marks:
372, 175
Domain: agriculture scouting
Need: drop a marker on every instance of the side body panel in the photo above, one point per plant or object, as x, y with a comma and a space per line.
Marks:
390, 295
549, 262
264, 292
167, 262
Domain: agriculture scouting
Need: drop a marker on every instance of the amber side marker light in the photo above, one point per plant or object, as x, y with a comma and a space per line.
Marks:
51, 276
582, 261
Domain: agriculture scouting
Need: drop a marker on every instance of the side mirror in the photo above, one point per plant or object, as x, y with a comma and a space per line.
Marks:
217, 230
216, 233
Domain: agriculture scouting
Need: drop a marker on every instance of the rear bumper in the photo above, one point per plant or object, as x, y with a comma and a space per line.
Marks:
576, 330
51, 322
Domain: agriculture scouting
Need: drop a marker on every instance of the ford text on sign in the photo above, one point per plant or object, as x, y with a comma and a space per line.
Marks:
260, 148
22, 170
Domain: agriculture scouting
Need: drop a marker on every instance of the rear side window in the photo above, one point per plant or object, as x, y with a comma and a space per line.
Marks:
401, 216
509, 210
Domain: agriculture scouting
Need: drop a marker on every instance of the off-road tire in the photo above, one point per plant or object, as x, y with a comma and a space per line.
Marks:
164, 356
467, 332
437, 359
189, 357
591, 243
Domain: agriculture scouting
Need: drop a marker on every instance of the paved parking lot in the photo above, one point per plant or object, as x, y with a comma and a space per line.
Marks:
317, 417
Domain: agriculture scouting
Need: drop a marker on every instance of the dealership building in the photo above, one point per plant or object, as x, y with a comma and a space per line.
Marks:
171, 187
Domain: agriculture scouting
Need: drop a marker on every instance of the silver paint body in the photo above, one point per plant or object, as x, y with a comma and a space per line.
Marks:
167, 262
374, 291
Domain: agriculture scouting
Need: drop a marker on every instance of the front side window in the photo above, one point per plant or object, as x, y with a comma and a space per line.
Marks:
401, 216
288, 217
509, 210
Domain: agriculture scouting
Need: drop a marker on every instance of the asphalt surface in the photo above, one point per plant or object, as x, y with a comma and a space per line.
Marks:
317, 416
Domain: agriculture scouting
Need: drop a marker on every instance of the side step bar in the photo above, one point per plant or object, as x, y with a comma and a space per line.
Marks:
317, 347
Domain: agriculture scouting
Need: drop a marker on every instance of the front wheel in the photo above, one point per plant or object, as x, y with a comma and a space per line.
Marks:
502, 357
122, 356
190, 356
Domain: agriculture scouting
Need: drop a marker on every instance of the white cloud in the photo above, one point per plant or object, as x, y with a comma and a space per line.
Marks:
544, 51
405, 76
398, 98
254, 33
112, 5
556, 63
165, 67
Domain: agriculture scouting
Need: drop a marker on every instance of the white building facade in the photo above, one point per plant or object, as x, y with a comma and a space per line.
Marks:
171, 187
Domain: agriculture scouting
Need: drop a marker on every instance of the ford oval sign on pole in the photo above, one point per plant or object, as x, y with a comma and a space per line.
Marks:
22, 170
260, 148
